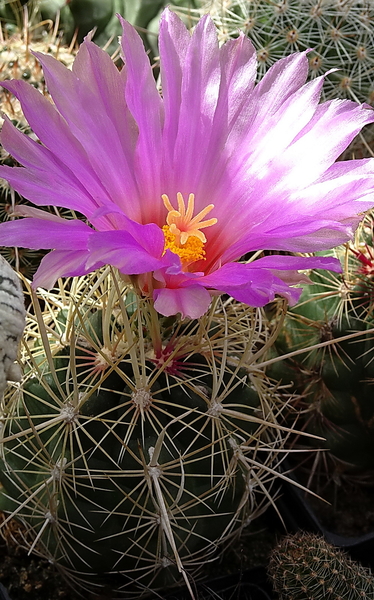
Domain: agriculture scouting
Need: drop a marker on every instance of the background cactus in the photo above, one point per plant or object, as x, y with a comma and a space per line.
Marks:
137, 446
75, 18
305, 567
12, 323
340, 34
334, 381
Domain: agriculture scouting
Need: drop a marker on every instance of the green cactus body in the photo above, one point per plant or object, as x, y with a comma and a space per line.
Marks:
306, 567
339, 32
121, 460
335, 380
12, 323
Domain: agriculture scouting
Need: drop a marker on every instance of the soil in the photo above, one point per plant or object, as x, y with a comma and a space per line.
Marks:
27, 578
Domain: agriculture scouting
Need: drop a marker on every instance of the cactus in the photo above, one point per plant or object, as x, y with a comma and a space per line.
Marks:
335, 379
12, 323
339, 33
305, 567
89, 14
137, 445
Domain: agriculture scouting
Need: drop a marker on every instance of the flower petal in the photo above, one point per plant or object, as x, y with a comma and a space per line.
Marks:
192, 301
174, 39
91, 112
258, 282
254, 287
199, 95
55, 134
146, 107
334, 125
61, 263
122, 250
45, 180
283, 79
45, 233
285, 263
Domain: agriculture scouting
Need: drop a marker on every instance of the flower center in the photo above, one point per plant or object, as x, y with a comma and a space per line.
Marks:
182, 232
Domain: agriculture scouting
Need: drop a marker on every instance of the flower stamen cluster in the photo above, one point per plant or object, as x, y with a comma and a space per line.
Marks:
189, 252
182, 232
181, 222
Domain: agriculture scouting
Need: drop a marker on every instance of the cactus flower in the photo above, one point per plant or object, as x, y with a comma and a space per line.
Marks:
177, 187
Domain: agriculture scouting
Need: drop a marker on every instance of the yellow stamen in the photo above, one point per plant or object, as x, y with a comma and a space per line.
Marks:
189, 252
180, 222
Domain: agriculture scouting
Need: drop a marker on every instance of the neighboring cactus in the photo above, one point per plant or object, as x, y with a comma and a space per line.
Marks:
17, 61
305, 567
137, 445
12, 323
90, 14
336, 380
340, 34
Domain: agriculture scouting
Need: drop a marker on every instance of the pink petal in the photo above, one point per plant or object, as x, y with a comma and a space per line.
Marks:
192, 301
282, 80
40, 233
145, 104
93, 119
238, 60
284, 263
253, 287
120, 249
334, 126
345, 189
61, 263
53, 131
46, 181
23, 210
199, 95
174, 40
258, 282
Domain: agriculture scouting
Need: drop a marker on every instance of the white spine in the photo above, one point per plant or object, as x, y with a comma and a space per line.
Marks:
12, 323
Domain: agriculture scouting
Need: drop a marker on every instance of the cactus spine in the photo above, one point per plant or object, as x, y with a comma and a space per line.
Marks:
339, 32
136, 446
306, 567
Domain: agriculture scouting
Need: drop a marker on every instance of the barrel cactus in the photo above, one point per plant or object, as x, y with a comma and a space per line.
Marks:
305, 567
137, 445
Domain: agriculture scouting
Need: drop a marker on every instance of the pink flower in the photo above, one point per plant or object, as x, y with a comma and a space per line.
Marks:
176, 188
